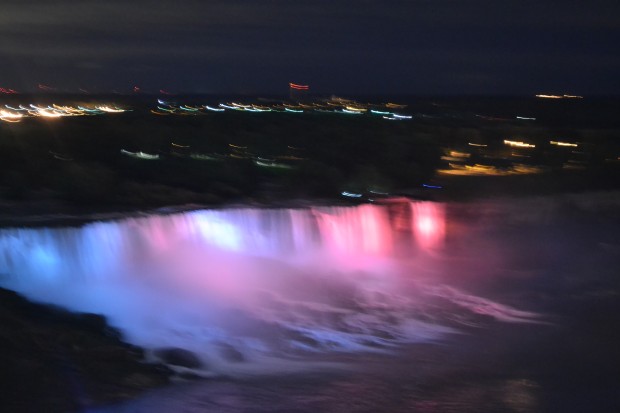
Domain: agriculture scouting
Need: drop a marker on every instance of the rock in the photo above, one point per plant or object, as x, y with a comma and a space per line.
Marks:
229, 353
112, 353
178, 357
54, 350
140, 380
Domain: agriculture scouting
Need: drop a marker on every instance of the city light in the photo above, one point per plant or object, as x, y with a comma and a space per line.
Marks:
543, 96
518, 144
558, 143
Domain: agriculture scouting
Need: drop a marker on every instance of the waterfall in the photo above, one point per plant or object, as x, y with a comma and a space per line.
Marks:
276, 285
104, 249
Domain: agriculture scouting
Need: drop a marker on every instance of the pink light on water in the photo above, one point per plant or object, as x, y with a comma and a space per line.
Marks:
365, 230
428, 224
275, 284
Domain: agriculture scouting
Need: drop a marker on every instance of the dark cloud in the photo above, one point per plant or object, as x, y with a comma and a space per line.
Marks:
409, 46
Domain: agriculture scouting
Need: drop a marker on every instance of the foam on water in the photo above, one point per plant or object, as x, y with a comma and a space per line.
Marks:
251, 290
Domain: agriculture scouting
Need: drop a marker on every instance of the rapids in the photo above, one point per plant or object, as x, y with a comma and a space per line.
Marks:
255, 290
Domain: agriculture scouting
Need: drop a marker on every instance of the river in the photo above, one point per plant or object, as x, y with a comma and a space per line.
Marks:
497, 305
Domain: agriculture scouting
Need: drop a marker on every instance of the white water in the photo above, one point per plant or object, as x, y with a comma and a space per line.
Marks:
252, 290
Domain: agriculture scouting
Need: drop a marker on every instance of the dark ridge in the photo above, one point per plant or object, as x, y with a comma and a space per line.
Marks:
57, 361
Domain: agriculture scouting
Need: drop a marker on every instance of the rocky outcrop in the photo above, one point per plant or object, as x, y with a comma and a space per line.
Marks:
57, 361
178, 357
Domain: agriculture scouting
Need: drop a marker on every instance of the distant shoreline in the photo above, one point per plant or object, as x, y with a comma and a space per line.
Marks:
77, 169
454, 189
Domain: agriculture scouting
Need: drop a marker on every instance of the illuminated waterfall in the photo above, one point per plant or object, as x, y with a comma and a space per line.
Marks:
270, 283
105, 249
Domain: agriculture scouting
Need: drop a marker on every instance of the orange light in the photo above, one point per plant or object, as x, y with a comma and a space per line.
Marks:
518, 144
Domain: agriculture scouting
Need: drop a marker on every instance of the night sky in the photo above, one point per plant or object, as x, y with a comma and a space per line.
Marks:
335, 46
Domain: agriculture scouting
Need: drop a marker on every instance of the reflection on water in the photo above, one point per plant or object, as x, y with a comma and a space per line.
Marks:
340, 394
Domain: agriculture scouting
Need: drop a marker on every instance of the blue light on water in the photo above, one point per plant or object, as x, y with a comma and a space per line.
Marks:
270, 283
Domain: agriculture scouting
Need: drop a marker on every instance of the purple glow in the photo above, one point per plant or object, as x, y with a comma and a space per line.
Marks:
274, 284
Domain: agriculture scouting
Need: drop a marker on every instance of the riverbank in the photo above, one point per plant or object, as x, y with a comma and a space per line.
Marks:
552, 182
47, 210
57, 361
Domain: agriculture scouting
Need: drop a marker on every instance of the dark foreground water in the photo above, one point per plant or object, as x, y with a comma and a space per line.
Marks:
506, 371
517, 311
571, 366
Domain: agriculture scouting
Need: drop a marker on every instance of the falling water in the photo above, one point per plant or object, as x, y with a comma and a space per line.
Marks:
251, 290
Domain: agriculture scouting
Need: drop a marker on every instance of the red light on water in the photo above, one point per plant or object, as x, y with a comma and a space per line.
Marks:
428, 222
